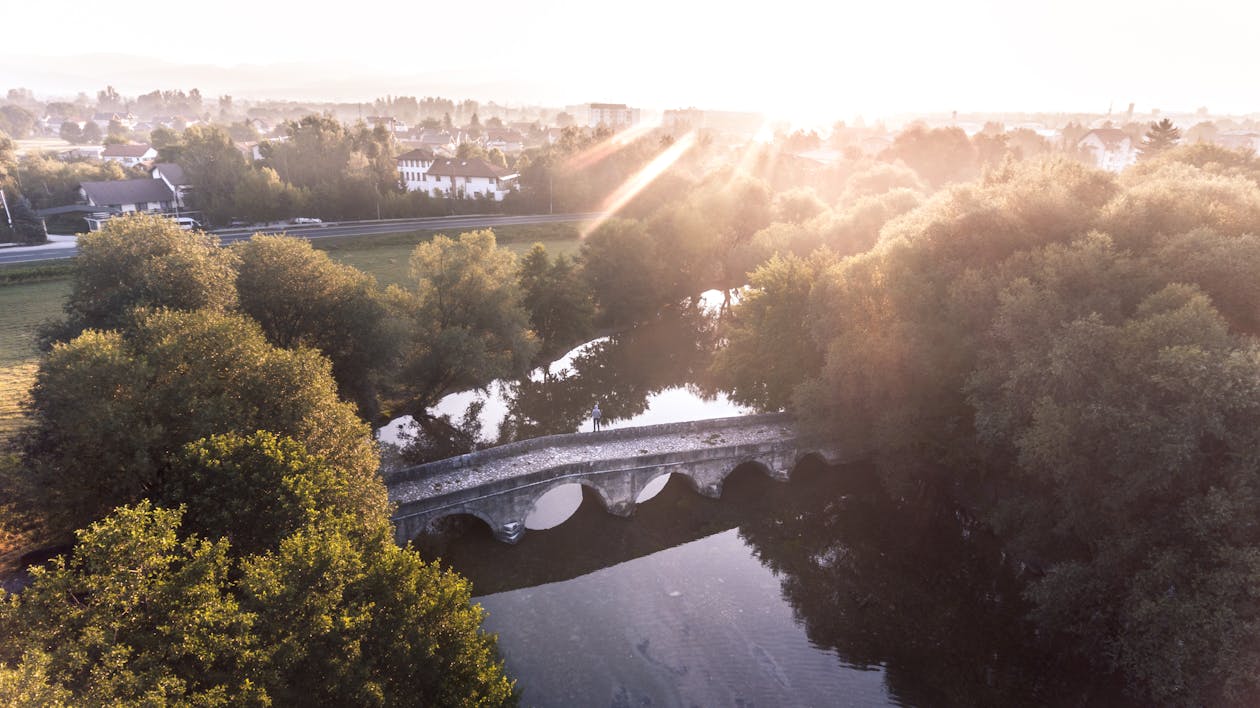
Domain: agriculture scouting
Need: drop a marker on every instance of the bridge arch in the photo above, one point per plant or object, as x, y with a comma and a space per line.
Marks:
537, 496
502, 485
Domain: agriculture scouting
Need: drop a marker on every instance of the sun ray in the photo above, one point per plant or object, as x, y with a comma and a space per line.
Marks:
641, 179
609, 145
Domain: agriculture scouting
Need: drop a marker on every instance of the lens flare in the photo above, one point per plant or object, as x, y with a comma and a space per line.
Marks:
641, 179
609, 145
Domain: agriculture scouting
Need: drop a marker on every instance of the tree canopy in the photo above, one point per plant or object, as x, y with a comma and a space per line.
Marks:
143, 261
466, 323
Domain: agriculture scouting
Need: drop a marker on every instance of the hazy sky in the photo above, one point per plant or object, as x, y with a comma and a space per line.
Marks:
809, 60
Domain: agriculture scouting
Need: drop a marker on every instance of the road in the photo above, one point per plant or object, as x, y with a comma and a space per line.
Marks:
452, 224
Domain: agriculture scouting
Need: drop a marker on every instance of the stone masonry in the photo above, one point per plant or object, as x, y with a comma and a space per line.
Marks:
500, 485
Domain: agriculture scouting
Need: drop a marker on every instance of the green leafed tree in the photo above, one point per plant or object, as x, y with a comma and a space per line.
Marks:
214, 167
301, 297
769, 348
108, 411
559, 304
143, 613
136, 616
622, 271
257, 489
467, 325
1160, 137
147, 261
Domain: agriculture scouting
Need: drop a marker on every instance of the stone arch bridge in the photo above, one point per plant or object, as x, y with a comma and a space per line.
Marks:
501, 485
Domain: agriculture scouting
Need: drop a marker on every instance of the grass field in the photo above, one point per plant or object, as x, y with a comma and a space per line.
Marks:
23, 307
386, 256
31, 295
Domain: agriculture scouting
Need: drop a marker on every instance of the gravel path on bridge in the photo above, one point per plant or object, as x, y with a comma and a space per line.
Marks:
583, 447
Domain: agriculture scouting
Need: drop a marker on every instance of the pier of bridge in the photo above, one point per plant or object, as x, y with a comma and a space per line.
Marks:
501, 485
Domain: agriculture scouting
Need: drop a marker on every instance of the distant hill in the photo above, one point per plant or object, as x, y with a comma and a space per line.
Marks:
132, 75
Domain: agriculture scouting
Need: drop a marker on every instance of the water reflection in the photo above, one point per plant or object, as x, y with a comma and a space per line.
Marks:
653, 373
555, 507
787, 591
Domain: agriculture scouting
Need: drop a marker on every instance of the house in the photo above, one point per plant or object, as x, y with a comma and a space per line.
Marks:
467, 178
412, 166
129, 155
439, 142
173, 175
506, 141
124, 196
1239, 140
875, 144
390, 123
1110, 148
85, 152
102, 120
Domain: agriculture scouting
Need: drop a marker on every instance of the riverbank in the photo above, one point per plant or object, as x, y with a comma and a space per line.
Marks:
33, 294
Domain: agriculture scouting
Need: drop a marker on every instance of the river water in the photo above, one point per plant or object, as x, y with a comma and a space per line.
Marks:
817, 592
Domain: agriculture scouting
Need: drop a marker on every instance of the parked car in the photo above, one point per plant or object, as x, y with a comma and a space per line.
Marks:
307, 220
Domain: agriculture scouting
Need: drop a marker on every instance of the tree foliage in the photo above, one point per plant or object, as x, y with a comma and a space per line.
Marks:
108, 410
301, 297
1161, 136
1073, 354
555, 296
142, 261
466, 324
143, 614
622, 271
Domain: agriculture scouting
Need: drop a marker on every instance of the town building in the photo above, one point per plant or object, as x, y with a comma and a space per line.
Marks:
128, 155
105, 200
613, 115
468, 178
1110, 149
509, 142
412, 166
173, 175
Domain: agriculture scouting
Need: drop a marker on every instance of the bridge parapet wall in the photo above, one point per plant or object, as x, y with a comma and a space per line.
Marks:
481, 457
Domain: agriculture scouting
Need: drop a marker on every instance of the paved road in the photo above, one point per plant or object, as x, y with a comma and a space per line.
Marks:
453, 224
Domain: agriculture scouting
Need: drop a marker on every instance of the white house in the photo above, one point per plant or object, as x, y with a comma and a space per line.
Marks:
467, 178
1111, 148
126, 195
128, 155
411, 168
173, 175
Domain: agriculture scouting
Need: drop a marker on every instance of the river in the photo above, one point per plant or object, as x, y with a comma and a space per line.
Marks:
817, 592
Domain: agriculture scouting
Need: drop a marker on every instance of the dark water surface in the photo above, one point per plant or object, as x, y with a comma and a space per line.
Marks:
817, 592
656, 372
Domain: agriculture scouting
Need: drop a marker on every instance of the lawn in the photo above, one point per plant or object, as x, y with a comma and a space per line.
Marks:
386, 256
23, 307
29, 296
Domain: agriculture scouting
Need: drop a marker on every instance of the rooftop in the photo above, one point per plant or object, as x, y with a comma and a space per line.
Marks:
468, 167
127, 191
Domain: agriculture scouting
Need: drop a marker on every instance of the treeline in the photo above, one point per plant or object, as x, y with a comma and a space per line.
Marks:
1073, 355
234, 543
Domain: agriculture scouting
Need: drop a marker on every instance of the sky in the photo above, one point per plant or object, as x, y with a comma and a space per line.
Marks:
811, 62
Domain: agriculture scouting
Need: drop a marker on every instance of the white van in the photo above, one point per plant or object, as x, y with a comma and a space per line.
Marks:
187, 224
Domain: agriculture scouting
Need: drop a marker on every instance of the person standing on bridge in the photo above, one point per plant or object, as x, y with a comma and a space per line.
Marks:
595, 416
